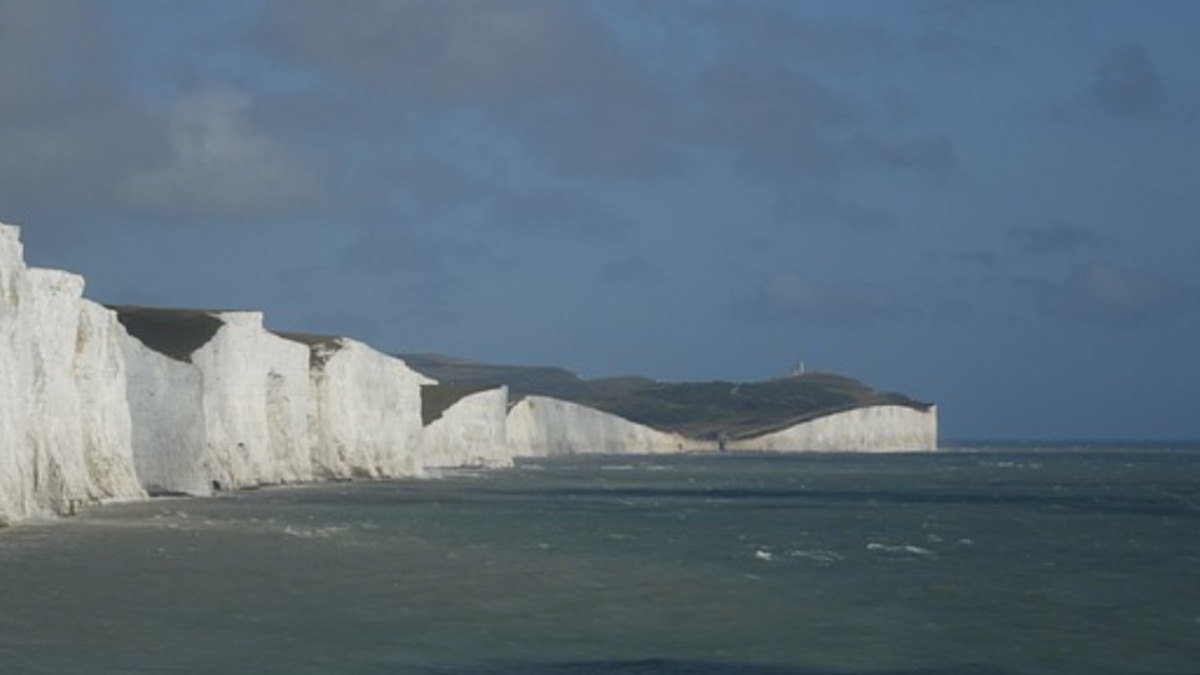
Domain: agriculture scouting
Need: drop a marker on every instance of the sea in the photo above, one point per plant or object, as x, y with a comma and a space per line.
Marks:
982, 558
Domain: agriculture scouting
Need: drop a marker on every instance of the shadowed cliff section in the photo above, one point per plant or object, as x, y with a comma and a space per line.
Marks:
702, 410
175, 333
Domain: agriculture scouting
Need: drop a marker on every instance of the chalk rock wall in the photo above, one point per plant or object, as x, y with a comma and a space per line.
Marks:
236, 365
166, 405
14, 380
64, 428
51, 320
227, 412
365, 413
248, 407
540, 426
289, 399
473, 432
105, 422
885, 428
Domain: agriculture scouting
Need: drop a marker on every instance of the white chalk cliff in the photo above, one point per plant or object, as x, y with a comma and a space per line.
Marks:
108, 404
364, 418
65, 430
231, 412
539, 426
880, 428
472, 432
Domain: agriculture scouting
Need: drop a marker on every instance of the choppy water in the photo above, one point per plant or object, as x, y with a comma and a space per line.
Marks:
998, 560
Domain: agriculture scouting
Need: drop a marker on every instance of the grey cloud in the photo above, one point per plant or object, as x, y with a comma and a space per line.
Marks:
790, 298
1054, 238
64, 152
774, 118
1126, 84
221, 165
51, 56
71, 126
435, 186
983, 258
787, 35
366, 41
973, 258
402, 252
625, 139
948, 311
630, 270
934, 155
453, 51
781, 124
549, 72
1105, 294
555, 212
948, 49
763, 97
67, 124
988, 13
813, 206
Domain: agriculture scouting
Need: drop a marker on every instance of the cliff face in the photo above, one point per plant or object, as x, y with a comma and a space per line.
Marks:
248, 407
254, 396
227, 413
472, 431
883, 428
166, 404
65, 431
364, 417
105, 404
539, 426
101, 382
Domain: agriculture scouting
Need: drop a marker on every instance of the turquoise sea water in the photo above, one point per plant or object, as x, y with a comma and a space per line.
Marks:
979, 559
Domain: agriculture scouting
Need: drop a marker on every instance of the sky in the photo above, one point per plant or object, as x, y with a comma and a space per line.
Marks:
993, 206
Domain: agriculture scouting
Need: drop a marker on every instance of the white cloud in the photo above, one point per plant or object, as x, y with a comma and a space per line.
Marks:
221, 165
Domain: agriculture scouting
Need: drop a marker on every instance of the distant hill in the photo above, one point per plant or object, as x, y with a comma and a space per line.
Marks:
704, 410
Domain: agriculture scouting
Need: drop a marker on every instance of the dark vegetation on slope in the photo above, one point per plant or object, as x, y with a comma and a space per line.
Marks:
458, 378
437, 398
521, 380
697, 409
172, 332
